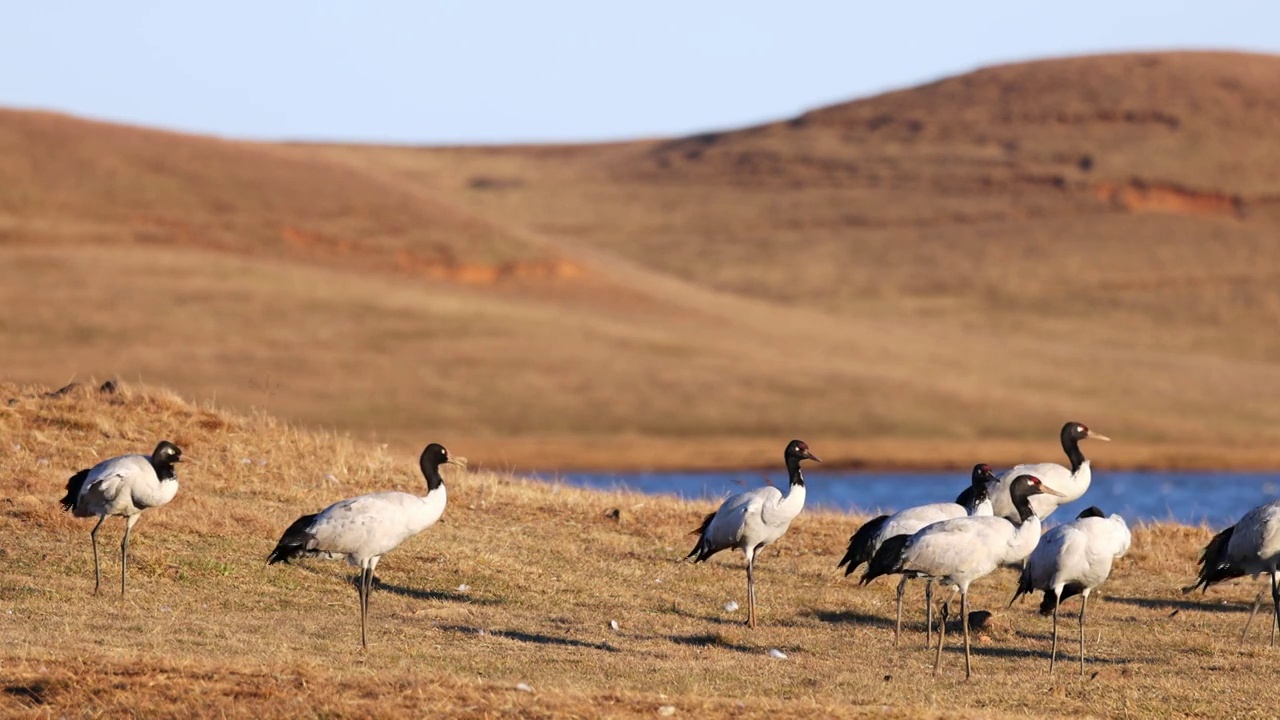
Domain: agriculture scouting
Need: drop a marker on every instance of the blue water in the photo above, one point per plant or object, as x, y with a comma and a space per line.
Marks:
1213, 498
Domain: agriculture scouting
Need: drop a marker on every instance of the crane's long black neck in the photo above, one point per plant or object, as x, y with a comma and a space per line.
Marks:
793, 470
1022, 503
164, 469
431, 471
1072, 447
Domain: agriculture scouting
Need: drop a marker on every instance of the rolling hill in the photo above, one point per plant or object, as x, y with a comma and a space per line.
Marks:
918, 278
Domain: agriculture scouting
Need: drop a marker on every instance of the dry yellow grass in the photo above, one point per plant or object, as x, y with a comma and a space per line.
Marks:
208, 630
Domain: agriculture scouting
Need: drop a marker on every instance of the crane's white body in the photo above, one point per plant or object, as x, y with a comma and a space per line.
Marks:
363, 529
1076, 558
1078, 553
962, 550
753, 520
913, 519
1072, 485
1255, 545
123, 486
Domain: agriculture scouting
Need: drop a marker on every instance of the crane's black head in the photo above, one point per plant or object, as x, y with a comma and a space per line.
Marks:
433, 456
1024, 486
982, 475
1074, 432
164, 457
166, 453
798, 450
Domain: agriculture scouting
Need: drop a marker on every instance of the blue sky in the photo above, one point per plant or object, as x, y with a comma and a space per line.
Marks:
462, 72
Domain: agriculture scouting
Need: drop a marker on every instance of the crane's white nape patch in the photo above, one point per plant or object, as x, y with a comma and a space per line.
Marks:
777, 654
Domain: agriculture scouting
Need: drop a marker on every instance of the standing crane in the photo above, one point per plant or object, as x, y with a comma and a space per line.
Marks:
1069, 482
1073, 559
1250, 547
868, 539
363, 529
962, 550
755, 519
122, 486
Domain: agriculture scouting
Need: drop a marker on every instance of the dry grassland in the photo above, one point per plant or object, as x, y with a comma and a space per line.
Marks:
208, 630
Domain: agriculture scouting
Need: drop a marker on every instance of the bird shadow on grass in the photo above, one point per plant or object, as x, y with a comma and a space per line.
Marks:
419, 594
850, 617
717, 619
1205, 605
709, 640
1025, 653
528, 637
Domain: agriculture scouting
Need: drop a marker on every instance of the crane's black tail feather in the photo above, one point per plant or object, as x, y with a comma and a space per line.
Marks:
887, 560
702, 550
1215, 564
1024, 586
1049, 602
74, 485
862, 545
293, 543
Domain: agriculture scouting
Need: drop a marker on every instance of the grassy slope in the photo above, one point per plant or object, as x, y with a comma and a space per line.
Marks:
207, 629
919, 278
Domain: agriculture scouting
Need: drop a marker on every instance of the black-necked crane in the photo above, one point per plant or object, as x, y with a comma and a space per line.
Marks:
122, 486
868, 539
753, 520
1069, 482
962, 550
1073, 559
1250, 547
363, 529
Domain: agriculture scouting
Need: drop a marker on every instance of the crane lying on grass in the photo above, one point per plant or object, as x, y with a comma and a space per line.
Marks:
1250, 547
868, 539
1073, 559
365, 528
964, 549
1069, 483
123, 486
752, 520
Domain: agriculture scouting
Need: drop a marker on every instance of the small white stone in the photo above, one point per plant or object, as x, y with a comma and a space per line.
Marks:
523, 688
614, 624
731, 606
464, 588
165, 608
667, 710
246, 461
777, 654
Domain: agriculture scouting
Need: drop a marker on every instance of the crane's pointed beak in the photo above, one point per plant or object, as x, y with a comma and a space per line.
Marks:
1096, 436
810, 456
1050, 491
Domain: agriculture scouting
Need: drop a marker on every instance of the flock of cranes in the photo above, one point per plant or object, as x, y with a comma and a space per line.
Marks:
994, 523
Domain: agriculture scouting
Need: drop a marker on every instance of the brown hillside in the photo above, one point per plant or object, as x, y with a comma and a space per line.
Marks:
919, 277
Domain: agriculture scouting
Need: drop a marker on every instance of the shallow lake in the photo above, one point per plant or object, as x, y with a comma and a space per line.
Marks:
1214, 498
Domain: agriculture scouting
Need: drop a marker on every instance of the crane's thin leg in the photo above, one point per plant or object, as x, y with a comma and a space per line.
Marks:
1275, 605
97, 569
1257, 602
124, 549
1053, 652
942, 632
751, 592
1084, 603
964, 622
897, 628
365, 572
928, 620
